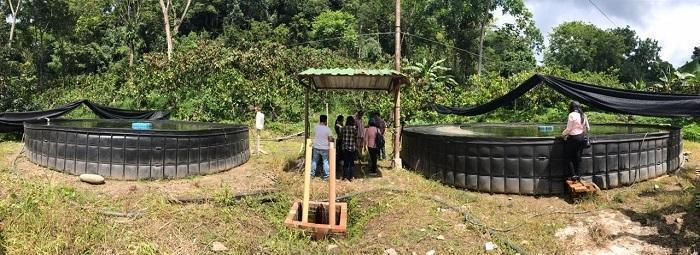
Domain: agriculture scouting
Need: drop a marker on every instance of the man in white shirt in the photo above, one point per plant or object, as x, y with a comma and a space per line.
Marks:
322, 138
259, 125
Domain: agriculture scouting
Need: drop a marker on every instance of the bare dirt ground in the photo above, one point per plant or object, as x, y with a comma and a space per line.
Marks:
43, 211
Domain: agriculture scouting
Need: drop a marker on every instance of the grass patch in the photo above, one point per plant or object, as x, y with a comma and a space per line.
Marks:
41, 214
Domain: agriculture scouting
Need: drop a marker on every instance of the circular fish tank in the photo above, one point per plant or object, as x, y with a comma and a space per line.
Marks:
118, 149
528, 158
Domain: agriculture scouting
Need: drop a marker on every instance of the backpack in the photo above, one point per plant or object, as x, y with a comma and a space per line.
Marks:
379, 140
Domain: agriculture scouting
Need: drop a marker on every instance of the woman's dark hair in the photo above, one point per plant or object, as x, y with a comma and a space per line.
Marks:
575, 106
350, 121
339, 119
372, 122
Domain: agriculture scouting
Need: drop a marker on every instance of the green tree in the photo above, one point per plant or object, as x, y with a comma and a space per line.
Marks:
642, 61
583, 46
173, 16
509, 52
335, 30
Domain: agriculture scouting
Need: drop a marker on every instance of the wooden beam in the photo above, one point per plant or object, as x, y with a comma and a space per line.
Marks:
331, 184
396, 163
307, 182
306, 115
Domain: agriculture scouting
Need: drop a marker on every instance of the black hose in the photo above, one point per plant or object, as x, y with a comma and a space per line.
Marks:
639, 159
14, 161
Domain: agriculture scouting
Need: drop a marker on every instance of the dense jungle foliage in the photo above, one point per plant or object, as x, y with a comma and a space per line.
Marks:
230, 55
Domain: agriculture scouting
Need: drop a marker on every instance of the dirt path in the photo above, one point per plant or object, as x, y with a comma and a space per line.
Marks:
654, 217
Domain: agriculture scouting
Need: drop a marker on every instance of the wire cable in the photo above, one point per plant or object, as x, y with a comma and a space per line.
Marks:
391, 33
445, 45
602, 12
339, 37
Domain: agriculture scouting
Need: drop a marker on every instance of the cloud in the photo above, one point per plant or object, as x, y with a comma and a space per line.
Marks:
674, 23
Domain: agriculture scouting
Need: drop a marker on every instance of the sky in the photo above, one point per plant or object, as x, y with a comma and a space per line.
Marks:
674, 23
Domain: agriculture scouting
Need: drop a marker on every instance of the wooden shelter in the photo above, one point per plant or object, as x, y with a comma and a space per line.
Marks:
357, 79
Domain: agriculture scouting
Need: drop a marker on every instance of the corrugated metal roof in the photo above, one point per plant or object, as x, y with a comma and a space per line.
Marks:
353, 79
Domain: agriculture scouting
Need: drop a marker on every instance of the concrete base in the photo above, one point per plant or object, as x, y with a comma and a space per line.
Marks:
397, 163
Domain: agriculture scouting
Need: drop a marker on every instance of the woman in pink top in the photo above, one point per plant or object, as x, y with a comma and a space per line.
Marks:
574, 137
370, 138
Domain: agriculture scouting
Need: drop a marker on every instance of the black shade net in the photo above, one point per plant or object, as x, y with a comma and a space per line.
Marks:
603, 98
13, 121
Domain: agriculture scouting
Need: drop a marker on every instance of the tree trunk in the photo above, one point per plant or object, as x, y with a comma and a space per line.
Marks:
12, 30
166, 21
131, 55
178, 22
15, 11
481, 50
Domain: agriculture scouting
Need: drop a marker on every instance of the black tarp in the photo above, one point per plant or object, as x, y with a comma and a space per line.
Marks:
106, 112
13, 121
603, 98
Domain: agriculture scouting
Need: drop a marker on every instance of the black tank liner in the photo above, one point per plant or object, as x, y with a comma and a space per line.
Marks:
518, 159
172, 149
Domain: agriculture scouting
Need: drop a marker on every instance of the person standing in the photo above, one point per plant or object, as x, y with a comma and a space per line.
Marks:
360, 128
381, 124
339, 144
322, 139
259, 125
348, 135
574, 139
370, 139
338, 126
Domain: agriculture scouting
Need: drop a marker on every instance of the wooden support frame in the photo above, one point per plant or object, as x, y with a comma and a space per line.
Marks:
395, 92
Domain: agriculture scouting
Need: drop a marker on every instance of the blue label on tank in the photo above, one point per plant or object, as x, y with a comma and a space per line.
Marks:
141, 125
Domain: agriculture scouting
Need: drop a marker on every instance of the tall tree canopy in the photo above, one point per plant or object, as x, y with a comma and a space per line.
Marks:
583, 46
204, 58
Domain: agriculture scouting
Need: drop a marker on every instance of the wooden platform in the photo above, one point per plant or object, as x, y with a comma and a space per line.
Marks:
317, 224
579, 187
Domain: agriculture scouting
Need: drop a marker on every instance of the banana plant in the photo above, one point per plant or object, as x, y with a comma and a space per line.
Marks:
430, 73
636, 85
676, 80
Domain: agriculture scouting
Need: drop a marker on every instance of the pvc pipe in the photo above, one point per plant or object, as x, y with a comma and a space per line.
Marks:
331, 184
307, 183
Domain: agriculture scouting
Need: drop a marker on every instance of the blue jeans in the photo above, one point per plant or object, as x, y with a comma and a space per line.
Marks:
316, 153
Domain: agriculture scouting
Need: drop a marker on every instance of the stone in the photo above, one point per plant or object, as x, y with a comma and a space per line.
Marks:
92, 178
440, 237
430, 252
390, 251
656, 187
218, 247
331, 247
489, 246
679, 220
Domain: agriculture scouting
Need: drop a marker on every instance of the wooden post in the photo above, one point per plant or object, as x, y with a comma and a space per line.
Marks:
331, 184
307, 182
306, 116
396, 163
257, 141
397, 89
